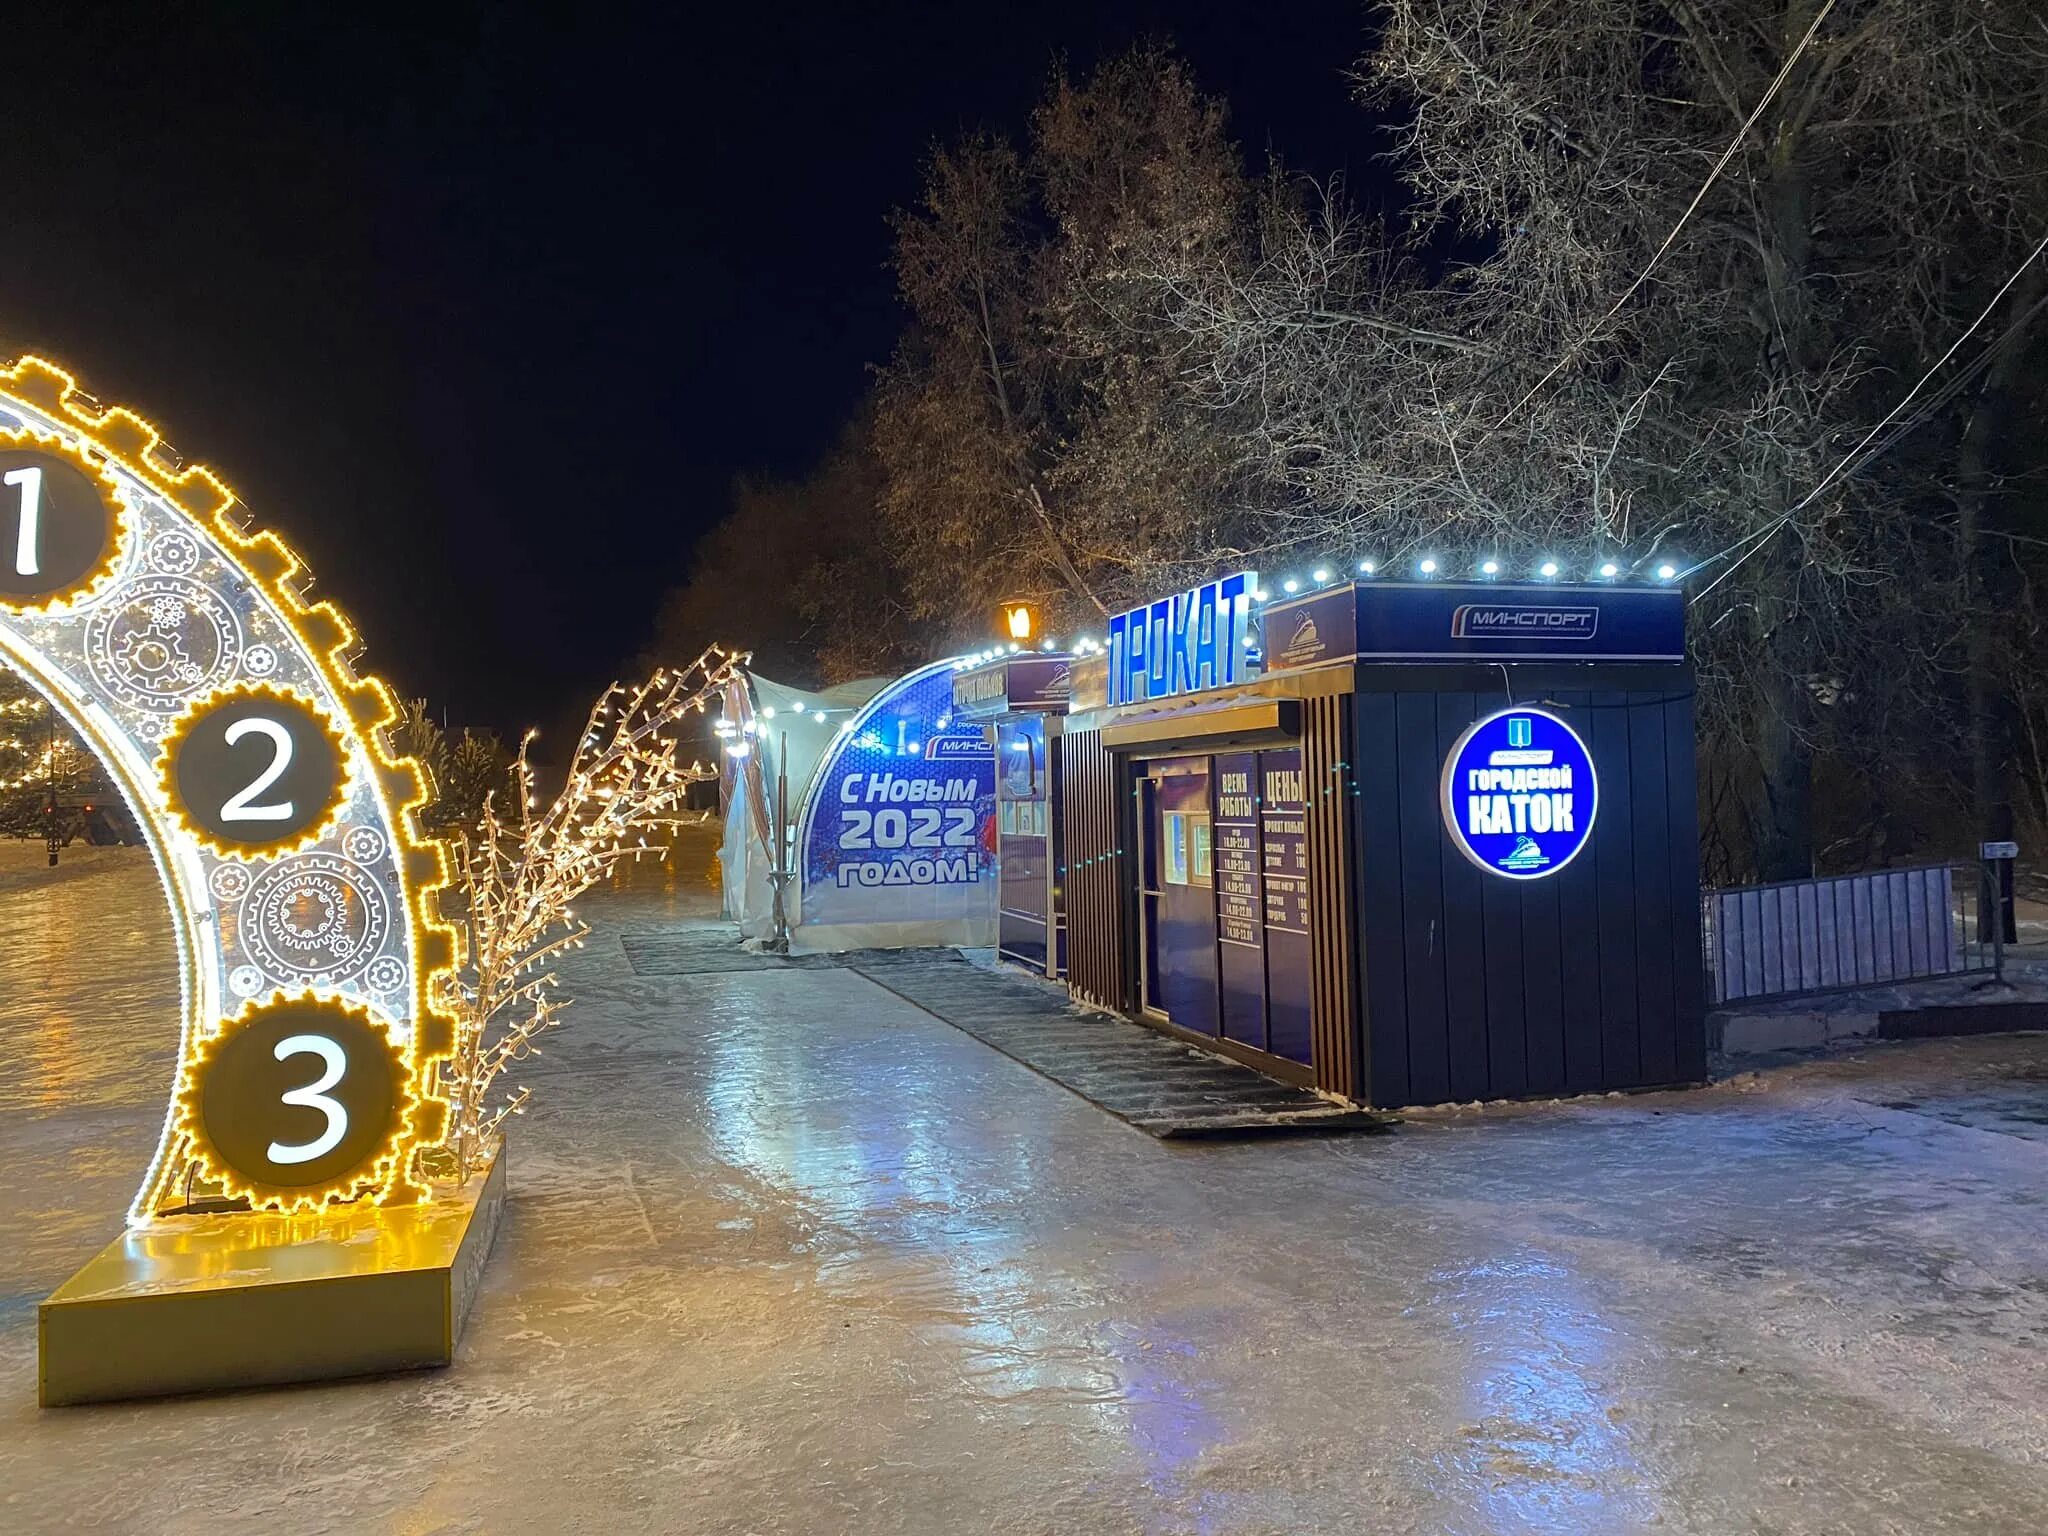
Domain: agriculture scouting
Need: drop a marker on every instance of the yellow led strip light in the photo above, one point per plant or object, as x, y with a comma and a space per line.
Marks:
111, 438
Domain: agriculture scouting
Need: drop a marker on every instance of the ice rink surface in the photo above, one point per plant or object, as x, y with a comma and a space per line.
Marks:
786, 1254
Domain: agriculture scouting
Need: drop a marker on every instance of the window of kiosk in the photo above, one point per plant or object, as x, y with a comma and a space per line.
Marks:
1188, 859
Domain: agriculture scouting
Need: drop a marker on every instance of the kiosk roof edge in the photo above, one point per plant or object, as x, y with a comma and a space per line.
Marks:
1489, 621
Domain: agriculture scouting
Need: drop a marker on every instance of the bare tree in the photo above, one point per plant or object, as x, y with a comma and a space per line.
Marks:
1549, 398
1033, 425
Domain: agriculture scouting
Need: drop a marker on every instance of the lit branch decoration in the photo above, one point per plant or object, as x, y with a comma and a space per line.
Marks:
518, 874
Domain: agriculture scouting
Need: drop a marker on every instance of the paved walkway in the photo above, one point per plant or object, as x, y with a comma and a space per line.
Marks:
787, 1254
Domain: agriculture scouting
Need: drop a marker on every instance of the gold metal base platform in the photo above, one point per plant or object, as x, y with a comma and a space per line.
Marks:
206, 1303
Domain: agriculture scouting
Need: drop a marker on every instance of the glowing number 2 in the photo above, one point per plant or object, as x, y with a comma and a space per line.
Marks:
314, 1096
238, 808
31, 483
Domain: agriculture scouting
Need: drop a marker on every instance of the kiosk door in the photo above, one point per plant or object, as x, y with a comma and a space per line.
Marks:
1179, 894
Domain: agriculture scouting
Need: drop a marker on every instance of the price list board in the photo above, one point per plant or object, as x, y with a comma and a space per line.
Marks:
1283, 872
1240, 922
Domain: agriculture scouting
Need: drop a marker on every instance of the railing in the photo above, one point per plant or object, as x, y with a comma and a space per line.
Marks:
1849, 931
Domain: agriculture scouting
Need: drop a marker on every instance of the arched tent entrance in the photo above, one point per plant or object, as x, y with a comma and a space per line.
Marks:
228, 713
774, 737
890, 821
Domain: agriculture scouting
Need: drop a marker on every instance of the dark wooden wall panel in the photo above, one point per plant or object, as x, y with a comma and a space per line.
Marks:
1688, 963
1099, 878
1613, 853
1461, 940
1376, 839
1578, 933
1420, 915
1333, 952
1475, 987
1656, 1037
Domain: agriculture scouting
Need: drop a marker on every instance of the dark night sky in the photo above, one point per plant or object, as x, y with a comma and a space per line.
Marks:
482, 307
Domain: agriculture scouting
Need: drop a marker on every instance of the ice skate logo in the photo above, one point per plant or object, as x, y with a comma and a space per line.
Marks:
1527, 855
1306, 641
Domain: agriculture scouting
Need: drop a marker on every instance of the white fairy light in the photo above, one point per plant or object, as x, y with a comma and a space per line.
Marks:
519, 877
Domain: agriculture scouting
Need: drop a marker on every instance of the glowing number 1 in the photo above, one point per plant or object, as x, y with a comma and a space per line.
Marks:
314, 1096
31, 483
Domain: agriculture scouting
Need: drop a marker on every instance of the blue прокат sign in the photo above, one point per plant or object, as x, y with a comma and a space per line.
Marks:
1189, 641
1520, 794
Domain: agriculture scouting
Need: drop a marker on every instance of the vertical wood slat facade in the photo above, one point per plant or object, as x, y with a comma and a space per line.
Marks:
1478, 988
1100, 877
1331, 794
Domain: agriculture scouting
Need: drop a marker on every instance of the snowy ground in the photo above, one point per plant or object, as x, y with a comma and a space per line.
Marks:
787, 1255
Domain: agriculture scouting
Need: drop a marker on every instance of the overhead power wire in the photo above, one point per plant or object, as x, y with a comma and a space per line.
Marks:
1720, 165
1856, 457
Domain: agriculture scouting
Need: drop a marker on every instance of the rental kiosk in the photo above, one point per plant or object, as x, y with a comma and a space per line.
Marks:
1443, 847
1019, 698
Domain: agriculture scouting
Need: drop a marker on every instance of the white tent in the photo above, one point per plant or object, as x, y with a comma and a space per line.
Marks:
774, 738
883, 805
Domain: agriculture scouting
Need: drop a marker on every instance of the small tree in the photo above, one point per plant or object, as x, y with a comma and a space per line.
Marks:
465, 771
519, 870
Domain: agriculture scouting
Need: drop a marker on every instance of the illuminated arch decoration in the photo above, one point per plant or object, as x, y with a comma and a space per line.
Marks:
227, 710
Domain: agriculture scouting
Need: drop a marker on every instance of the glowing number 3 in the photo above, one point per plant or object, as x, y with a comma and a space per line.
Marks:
239, 808
31, 483
314, 1096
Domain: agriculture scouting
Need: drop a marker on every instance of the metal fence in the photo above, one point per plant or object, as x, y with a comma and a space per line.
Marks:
1849, 931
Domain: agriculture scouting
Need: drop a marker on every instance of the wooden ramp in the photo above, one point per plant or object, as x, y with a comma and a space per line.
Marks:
1161, 1086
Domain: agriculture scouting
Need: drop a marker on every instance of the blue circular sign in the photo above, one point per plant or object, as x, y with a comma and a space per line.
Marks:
1520, 794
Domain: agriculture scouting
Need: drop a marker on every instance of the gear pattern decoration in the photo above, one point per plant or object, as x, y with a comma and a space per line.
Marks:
174, 554
314, 918
159, 642
192, 603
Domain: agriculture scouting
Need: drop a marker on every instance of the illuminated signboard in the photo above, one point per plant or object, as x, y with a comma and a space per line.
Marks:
899, 824
1519, 794
1192, 640
1493, 621
1014, 684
